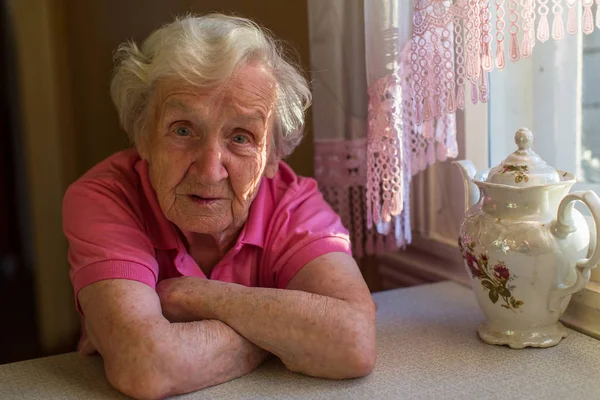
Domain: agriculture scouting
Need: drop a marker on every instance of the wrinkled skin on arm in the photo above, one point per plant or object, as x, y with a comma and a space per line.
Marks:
322, 324
146, 356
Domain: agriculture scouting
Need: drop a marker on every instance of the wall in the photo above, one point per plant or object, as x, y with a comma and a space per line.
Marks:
64, 50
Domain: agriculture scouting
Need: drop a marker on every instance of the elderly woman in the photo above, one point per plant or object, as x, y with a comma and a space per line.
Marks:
198, 254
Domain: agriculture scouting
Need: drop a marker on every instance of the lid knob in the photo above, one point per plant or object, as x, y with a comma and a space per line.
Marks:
524, 167
524, 139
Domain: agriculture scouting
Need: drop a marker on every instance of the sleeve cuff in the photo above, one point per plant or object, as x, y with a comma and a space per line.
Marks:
113, 269
313, 250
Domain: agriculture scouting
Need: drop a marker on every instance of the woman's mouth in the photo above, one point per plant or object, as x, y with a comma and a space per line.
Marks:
204, 201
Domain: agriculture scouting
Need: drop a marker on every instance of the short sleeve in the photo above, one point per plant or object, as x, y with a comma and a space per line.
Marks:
304, 227
106, 236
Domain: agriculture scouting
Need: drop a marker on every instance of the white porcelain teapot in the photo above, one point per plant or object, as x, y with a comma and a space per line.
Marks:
525, 246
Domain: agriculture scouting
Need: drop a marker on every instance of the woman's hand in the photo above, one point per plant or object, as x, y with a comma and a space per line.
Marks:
186, 299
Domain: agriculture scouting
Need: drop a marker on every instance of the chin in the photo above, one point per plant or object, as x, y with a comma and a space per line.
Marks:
212, 219
205, 224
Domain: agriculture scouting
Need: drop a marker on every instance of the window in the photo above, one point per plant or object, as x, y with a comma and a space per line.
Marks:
556, 93
590, 104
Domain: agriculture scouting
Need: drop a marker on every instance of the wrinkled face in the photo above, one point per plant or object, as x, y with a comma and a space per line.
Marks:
209, 148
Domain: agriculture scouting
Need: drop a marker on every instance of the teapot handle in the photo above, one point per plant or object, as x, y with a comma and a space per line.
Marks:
563, 226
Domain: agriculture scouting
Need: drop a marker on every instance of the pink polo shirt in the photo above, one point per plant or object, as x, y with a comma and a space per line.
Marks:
116, 229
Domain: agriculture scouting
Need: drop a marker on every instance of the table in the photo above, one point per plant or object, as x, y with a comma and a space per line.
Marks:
427, 349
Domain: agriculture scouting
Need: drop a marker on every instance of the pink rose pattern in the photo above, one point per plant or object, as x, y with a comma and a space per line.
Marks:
501, 272
521, 172
496, 279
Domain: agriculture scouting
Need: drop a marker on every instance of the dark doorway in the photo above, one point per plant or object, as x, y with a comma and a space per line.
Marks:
18, 333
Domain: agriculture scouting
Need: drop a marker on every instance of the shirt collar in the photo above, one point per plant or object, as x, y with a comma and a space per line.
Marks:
255, 228
163, 232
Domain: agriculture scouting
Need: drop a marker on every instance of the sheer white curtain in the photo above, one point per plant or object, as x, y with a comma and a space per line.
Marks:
361, 156
340, 109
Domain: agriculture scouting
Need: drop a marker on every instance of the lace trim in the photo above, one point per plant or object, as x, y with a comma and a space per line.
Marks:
442, 28
341, 171
367, 181
398, 148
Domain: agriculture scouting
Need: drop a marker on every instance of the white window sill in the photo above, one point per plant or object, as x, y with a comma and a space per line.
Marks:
583, 313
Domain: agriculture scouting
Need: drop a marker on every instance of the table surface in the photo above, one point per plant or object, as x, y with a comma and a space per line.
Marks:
427, 349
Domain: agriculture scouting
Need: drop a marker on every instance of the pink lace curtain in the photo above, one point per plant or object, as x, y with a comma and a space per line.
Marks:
484, 34
399, 145
367, 142
388, 78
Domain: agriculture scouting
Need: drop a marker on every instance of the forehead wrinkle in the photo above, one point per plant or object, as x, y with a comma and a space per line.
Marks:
248, 100
188, 103
257, 108
177, 105
251, 114
251, 93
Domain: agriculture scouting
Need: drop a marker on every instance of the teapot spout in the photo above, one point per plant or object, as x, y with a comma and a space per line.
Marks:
472, 193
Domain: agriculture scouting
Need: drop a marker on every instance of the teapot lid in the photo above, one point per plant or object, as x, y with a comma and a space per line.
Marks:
524, 167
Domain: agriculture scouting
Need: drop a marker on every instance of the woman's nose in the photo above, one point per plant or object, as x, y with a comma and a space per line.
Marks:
208, 169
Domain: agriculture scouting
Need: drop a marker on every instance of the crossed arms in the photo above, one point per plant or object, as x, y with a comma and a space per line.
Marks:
192, 333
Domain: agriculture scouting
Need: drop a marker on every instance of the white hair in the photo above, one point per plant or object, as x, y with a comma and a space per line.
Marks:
203, 51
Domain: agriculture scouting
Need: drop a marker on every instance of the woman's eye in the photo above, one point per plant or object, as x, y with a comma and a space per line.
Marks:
240, 139
182, 131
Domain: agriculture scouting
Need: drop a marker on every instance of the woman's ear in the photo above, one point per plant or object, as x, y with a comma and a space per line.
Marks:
273, 155
143, 139
144, 134
141, 145
272, 166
